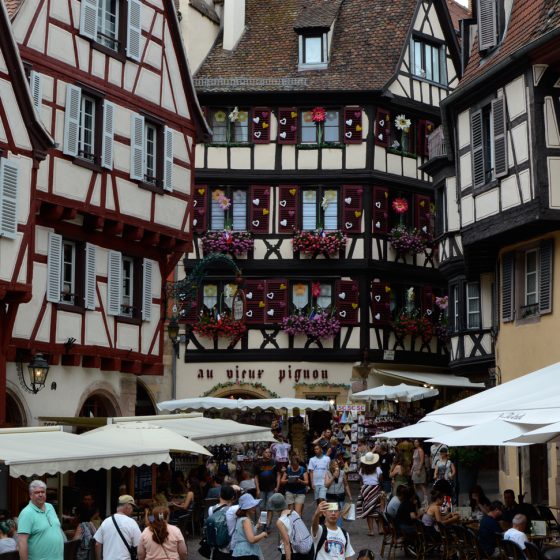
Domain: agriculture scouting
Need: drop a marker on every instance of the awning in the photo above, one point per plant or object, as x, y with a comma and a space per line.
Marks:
430, 379
419, 430
209, 403
207, 431
49, 450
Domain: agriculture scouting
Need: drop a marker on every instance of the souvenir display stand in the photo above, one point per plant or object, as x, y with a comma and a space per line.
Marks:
351, 420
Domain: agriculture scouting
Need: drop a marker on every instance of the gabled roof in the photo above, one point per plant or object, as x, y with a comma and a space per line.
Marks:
40, 138
317, 14
529, 23
368, 39
457, 12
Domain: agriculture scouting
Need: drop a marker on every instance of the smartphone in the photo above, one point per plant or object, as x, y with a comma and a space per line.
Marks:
262, 518
333, 506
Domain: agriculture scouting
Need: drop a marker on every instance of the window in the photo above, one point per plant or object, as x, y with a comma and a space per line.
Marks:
86, 144
313, 51
456, 304
526, 282
114, 26
228, 209
319, 208
217, 297
312, 294
71, 272
489, 142
429, 61
129, 286
151, 154
327, 131
473, 305
230, 125
403, 137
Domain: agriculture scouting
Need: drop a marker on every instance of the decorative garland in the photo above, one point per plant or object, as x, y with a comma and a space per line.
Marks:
229, 384
324, 384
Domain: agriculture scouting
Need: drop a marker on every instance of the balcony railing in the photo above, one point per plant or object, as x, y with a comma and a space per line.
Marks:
436, 143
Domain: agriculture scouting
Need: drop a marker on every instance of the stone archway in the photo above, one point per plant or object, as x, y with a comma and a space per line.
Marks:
240, 391
15, 411
99, 402
145, 405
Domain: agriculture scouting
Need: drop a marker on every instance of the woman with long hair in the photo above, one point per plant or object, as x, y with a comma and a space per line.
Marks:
434, 514
182, 503
161, 541
368, 504
478, 501
418, 471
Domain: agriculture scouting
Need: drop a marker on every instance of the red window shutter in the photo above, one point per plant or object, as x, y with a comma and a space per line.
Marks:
352, 208
260, 125
424, 129
352, 125
288, 202
254, 301
422, 214
380, 303
347, 301
382, 127
287, 125
276, 299
259, 205
200, 214
427, 300
380, 210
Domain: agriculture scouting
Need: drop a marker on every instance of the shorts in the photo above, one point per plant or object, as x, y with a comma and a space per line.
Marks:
265, 497
320, 492
292, 498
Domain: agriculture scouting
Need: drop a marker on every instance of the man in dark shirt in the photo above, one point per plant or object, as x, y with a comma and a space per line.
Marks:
267, 481
511, 508
490, 529
385, 462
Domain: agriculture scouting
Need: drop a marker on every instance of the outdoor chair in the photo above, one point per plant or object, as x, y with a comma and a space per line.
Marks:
396, 542
449, 541
425, 543
387, 534
547, 515
71, 549
466, 542
511, 551
533, 552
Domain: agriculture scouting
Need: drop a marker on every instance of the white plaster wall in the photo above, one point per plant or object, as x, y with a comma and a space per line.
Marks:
453, 220
265, 156
199, 34
515, 94
308, 159
464, 129
465, 166
356, 155
467, 210
510, 192
487, 204
240, 158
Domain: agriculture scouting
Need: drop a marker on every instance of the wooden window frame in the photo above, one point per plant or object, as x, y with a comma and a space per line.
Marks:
79, 264
320, 212
324, 143
155, 185
441, 59
228, 214
135, 318
121, 40
323, 35
230, 126
312, 300
468, 313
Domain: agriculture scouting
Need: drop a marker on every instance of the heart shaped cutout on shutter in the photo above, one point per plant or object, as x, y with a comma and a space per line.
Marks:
348, 225
282, 286
270, 295
291, 213
293, 128
293, 192
283, 203
377, 298
270, 312
358, 213
264, 114
284, 222
249, 295
382, 122
249, 313
255, 223
256, 201
195, 203
348, 134
261, 304
293, 114
428, 312
378, 225
377, 316
194, 222
256, 120
201, 191
282, 135
265, 125
354, 306
378, 204
349, 122
380, 136
257, 134
425, 229
342, 295
283, 121
358, 128
265, 212
348, 200
342, 313
357, 114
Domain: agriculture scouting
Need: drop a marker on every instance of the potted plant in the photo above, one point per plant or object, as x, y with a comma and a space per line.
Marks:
319, 241
318, 324
227, 241
223, 325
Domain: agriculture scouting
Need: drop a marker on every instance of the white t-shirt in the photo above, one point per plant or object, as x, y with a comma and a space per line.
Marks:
319, 466
335, 546
113, 546
231, 518
285, 519
280, 451
518, 537
373, 478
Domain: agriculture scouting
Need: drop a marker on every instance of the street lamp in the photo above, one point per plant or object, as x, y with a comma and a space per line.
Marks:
38, 370
173, 333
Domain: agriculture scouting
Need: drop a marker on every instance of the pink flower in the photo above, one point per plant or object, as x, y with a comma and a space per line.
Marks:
318, 115
400, 205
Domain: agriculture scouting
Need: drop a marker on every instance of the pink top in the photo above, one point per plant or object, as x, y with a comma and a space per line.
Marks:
155, 551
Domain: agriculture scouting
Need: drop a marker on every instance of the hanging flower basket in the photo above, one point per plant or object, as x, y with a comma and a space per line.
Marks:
328, 243
407, 325
226, 241
317, 325
408, 240
442, 332
222, 326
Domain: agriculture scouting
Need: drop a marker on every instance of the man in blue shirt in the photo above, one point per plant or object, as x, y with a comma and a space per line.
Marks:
490, 529
39, 533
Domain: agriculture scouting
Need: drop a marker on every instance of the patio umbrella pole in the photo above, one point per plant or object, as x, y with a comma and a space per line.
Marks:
520, 475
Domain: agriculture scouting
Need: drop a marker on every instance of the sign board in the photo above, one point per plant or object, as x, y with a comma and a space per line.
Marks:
388, 354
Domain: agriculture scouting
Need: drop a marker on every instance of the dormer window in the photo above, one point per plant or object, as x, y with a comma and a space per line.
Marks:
313, 50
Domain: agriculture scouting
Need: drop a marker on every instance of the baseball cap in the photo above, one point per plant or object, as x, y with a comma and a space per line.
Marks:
126, 499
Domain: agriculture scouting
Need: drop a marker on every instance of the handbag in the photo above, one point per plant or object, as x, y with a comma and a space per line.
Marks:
349, 512
132, 550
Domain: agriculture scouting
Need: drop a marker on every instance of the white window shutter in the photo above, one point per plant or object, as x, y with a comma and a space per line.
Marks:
72, 120
54, 267
487, 24
168, 161
36, 85
501, 165
90, 280
88, 19
114, 283
108, 135
147, 271
477, 149
9, 181
137, 147
134, 34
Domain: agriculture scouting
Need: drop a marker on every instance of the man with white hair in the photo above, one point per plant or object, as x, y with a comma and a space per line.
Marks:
517, 532
39, 532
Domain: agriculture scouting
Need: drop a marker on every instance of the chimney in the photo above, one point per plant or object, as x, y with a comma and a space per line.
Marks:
234, 22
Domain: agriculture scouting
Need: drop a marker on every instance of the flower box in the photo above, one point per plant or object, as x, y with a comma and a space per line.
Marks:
226, 241
407, 325
408, 240
317, 325
328, 243
220, 326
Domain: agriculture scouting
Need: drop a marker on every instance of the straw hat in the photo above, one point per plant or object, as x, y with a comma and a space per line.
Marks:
370, 458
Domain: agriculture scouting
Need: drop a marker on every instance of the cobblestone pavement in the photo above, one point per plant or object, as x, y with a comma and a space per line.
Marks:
356, 529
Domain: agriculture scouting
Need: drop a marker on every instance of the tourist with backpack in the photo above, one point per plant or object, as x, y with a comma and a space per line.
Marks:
295, 540
245, 539
331, 541
216, 531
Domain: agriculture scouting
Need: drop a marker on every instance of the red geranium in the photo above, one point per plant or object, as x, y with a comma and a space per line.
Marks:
318, 114
400, 205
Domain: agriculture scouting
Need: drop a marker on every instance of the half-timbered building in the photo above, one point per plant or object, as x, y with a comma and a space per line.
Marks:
110, 202
496, 179
320, 114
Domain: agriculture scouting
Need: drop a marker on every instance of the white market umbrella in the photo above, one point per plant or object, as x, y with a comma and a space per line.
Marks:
198, 403
540, 435
144, 434
420, 430
404, 392
285, 402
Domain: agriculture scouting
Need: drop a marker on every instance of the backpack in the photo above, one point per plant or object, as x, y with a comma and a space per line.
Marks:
216, 528
300, 540
323, 538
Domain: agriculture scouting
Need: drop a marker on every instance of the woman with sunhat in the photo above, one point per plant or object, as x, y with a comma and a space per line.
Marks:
245, 540
368, 504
